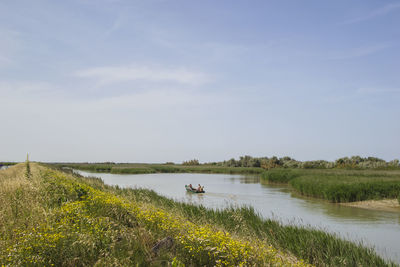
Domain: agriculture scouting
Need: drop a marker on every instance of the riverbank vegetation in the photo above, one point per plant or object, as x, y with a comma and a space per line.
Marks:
57, 219
354, 162
8, 163
54, 218
345, 180
244, 165
142, 168
315, 246
337, 185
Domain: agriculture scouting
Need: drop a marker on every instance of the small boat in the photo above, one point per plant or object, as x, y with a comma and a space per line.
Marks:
192, 190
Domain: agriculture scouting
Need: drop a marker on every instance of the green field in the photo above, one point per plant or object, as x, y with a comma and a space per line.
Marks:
338, 185
49, 217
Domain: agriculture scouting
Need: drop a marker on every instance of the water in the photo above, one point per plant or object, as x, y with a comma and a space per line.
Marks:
377, 229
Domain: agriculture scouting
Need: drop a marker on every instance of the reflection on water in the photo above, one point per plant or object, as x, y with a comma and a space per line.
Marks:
375, 228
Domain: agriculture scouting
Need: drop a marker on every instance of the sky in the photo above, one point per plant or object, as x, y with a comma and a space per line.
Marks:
158, 80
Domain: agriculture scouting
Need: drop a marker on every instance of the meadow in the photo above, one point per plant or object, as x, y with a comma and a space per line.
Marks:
49, 217
339, 185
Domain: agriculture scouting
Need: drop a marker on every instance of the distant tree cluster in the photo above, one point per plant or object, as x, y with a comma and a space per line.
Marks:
365, 163
354, 162
263, 162
191, 162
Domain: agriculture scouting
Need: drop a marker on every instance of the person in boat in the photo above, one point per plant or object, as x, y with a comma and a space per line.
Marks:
200, 188
191, 187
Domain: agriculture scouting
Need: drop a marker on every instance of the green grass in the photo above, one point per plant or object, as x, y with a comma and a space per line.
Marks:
217, 169
166, 168
136, 168
8, 163
280, 175
55, 218
87, 167
314, 246
339, 185
67, 220
127, 170
347, 188
42, 223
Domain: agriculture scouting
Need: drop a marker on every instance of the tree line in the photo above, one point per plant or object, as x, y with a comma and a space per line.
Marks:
354, 162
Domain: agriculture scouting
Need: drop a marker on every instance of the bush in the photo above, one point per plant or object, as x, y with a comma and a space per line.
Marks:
191, 162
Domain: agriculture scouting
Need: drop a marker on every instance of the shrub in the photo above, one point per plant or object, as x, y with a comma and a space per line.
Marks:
191, 162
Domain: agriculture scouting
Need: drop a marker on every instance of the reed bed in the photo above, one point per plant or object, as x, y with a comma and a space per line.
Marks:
127, 170
280, 175
340, 185
347, 188
135, 168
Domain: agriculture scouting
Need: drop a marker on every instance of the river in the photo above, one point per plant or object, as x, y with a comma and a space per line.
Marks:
377, 229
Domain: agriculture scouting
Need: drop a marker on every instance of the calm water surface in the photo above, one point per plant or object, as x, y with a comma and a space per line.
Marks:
377, 229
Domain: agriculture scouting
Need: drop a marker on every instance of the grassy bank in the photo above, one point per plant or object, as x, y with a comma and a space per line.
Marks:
52, 218
136, 168
338, 185
55, 218
7, 163
314, 246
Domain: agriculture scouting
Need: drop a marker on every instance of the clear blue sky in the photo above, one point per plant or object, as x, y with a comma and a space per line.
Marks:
156, 81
